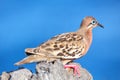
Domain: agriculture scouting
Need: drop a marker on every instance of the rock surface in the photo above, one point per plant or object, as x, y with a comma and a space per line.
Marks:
46, 71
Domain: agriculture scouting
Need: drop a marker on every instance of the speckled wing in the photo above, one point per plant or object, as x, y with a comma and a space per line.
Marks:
66, 46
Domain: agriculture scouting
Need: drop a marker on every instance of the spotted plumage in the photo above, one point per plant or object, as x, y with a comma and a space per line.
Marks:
66, 46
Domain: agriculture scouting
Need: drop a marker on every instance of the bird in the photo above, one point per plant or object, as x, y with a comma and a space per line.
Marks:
66, 46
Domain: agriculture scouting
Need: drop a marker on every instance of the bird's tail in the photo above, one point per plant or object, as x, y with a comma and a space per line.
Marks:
34, 58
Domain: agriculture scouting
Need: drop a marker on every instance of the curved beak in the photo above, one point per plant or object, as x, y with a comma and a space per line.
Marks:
100, 25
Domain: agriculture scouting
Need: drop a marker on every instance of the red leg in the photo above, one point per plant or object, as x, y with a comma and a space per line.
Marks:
75, 68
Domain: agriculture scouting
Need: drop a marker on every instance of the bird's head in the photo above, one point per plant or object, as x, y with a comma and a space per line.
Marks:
90, 22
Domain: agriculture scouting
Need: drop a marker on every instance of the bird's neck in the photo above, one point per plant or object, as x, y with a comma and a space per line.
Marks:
89, 35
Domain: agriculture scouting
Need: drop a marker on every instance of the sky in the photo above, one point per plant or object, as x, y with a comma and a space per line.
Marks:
28, 23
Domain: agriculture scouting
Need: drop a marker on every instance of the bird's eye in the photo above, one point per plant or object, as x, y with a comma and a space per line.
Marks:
93, 22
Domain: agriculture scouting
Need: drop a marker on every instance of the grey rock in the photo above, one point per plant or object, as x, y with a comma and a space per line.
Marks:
5, 76
21, 74
56, 71
47, 71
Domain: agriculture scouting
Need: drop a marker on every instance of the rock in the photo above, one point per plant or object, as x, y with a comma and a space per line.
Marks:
21, 74
56, 71
5, 76
47, 71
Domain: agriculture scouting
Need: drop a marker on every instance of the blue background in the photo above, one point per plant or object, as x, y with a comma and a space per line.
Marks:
27, 23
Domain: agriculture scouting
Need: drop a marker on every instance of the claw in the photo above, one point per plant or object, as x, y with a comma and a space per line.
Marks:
75, 68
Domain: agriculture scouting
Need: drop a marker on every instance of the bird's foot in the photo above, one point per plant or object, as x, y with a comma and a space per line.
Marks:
75, 67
